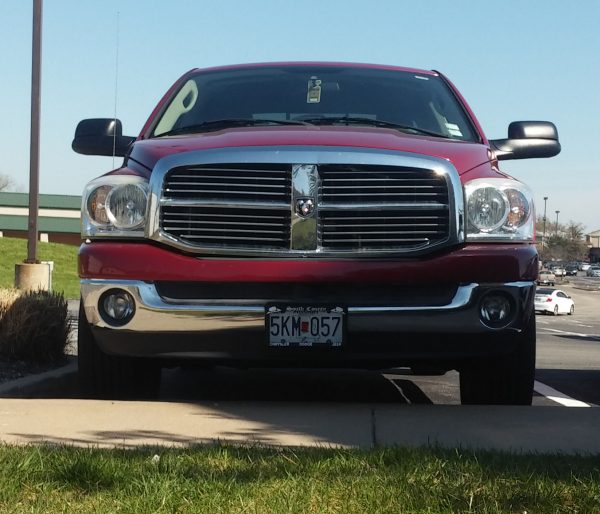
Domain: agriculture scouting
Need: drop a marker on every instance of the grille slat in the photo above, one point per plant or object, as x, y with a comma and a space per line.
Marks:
225, 192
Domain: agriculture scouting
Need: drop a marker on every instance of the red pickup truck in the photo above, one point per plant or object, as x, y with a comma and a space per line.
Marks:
310, 214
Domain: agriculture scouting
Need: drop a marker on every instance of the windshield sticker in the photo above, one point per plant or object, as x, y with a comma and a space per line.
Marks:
314, 91
453, 129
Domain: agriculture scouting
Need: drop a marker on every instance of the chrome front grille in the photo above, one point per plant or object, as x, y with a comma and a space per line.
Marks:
377, 207
364, 202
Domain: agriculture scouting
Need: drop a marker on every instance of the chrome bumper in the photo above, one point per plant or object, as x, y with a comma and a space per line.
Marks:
155, 315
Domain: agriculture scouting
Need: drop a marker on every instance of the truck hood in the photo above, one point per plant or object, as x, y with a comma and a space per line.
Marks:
463, 155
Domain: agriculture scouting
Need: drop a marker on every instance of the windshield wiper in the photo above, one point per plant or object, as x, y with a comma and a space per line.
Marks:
357, 120
227, 123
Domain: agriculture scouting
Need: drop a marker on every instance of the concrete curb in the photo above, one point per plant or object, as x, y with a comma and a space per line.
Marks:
46, 383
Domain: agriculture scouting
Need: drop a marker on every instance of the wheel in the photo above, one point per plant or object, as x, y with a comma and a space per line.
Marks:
504, 380
572, 310
556, 310
109, 376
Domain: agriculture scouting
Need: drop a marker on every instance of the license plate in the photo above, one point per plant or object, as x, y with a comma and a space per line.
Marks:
294, 325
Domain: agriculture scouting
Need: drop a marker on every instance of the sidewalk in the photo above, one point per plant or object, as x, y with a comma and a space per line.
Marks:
359, 425
131, 424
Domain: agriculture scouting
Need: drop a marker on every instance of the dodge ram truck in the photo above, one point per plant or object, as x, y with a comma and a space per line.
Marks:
310, 214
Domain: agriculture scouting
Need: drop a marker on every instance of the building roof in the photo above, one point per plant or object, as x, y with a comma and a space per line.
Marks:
71, 202
57, 213
45, 224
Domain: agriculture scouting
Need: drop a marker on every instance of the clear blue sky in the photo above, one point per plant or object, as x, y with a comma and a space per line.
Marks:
512, 60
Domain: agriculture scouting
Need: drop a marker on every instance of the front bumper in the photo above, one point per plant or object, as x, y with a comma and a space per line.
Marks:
226, 330
398, 311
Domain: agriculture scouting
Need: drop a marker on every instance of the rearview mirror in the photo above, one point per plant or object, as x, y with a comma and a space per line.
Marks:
101, 136
527, 139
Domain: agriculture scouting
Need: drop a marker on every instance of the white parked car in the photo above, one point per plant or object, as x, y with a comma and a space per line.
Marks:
593, 271
584, 266
553, 301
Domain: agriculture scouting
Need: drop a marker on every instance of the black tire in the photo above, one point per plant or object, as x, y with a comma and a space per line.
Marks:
572, 310
556, 310
504, 380
112, 377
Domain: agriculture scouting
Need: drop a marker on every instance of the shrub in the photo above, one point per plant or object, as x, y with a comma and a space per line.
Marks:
34, 325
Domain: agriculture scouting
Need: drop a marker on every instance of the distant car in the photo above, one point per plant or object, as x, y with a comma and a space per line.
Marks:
584, 266
553, 301
559, 271
546, 278
571, 269
593, 271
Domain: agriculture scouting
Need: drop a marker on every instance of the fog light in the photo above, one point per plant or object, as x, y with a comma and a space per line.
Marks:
495, 310
117, 307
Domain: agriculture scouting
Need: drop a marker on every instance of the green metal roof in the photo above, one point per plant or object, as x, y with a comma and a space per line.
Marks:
69, 202
45, 224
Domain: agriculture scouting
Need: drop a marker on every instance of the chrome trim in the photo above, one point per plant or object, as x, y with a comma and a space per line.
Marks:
299, 155
155, 314
461, 299
305, 184
382, 206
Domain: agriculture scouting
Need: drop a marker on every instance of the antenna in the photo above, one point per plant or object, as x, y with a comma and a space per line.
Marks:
116, 89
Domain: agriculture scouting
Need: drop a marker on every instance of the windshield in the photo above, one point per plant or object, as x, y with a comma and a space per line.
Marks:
316, 95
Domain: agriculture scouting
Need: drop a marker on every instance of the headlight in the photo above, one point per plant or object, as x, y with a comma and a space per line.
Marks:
499, 209
115, 205
126, 206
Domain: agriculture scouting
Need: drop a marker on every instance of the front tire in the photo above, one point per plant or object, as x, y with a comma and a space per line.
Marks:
109, 376
503, 380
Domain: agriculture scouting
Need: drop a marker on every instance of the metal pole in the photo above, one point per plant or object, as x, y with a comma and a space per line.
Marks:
556, 221
34, 148
544, 232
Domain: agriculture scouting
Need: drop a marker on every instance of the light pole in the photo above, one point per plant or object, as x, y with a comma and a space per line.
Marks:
31, 274
556, 222
544, 232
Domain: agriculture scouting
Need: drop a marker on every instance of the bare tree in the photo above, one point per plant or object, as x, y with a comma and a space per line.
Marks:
5, 183
575, 231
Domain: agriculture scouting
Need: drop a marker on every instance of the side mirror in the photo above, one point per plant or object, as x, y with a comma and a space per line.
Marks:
101, 136
527, 139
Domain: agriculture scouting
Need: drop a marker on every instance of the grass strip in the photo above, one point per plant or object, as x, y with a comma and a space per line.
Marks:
227, 479
64, 277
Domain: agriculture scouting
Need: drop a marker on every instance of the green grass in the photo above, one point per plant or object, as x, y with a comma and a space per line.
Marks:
64, 277
216, 479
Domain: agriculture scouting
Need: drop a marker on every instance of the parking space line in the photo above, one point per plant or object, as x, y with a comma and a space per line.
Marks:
577, 334
558, 397
391, 380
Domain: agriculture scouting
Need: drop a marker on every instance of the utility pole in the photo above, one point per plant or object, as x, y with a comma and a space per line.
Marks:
556, 222
544, 232
34, 147
31, 274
